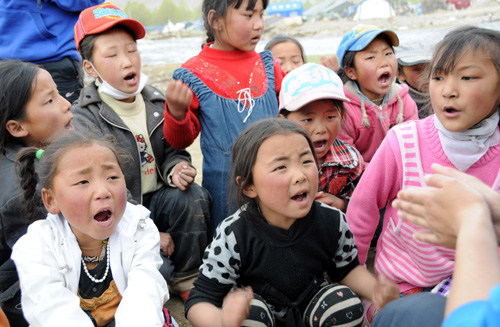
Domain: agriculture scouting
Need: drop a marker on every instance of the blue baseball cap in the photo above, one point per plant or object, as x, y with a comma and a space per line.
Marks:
360, 37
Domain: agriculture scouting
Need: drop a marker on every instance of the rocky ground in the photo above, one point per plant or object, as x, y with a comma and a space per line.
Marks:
479, 12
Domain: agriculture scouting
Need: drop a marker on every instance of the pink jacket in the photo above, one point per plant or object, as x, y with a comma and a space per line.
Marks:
367, 136
404, 260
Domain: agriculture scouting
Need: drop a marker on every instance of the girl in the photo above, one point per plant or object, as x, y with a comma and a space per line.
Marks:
313, 97
94, 260
227, 86
366, 55
280, 243
288, 51
31, 112
121, 103
463, 133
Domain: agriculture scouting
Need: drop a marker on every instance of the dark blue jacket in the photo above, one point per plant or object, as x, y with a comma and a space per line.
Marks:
40, 30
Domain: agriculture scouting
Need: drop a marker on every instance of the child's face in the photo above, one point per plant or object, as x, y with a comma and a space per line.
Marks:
413, 76
117, 60
289, 55
47, 112
376, 68
285, 179
240, 29
89, 189
322, 120
468, 94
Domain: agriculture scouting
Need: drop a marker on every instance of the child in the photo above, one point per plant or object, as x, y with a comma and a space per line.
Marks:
312, 96
120, 103
458, 211
366, 55
463, 133
31, 112
281, 242
227, 86
288, 51
94, 260
412, 65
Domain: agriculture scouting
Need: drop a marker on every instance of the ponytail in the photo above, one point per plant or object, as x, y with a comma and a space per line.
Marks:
25, 165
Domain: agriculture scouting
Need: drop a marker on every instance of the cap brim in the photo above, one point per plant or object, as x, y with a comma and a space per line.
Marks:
133, 25
306, 98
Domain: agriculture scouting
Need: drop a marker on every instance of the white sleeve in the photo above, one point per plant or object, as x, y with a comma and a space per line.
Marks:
146, 292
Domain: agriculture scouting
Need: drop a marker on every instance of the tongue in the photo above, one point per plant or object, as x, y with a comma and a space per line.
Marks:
298, 197
101, 216
319, 144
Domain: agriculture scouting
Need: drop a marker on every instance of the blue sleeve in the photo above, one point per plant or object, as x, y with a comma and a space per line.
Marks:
478, 313
74, 5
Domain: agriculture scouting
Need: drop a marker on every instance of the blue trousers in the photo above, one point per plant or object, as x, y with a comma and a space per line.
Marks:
418, 310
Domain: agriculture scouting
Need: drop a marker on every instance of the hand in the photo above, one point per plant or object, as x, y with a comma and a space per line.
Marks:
236, 306
178, 99
490, 195
331, 200
441, 209
331, 62
384, 291
167, 245
183, 175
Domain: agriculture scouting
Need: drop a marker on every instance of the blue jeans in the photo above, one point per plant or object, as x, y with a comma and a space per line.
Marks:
422, 309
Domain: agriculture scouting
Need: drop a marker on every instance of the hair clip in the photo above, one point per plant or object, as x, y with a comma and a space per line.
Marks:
39, 153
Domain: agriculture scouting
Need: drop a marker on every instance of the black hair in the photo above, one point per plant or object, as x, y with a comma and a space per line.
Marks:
461, 40
42, 173
280, 38
17, 82
221, 7
87, 44
244, 154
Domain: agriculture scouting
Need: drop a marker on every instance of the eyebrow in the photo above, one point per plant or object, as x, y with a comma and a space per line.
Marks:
104, 166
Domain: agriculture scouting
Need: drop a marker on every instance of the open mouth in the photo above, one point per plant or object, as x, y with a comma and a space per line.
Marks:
69, 126
103, 216
384, 78
300, 197
450, 110
319, 144
130, 77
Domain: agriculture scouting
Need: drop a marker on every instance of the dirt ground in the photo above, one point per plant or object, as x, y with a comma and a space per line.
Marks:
479, 12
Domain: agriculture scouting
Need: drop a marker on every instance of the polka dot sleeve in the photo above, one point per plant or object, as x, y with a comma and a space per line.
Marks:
222, 258
347, 251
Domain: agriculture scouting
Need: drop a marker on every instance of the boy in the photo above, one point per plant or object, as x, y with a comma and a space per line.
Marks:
412, 65
158, 176
312, 96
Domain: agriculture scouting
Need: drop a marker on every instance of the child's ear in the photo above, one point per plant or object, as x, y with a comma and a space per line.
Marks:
214, 21
89, 69
351, 73
249, 190
401, 76
16, 128
49, 202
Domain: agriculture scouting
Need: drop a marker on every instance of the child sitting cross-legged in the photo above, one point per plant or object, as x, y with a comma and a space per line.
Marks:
313, 96
122, 104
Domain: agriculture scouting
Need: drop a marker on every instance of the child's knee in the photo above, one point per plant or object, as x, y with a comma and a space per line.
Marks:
334, 305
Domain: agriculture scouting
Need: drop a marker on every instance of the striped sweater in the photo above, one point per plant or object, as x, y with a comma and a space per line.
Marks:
408, 262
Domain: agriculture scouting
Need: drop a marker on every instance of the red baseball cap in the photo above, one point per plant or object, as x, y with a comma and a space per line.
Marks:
100, 18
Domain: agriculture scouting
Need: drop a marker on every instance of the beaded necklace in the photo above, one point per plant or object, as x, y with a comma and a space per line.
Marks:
95, 280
